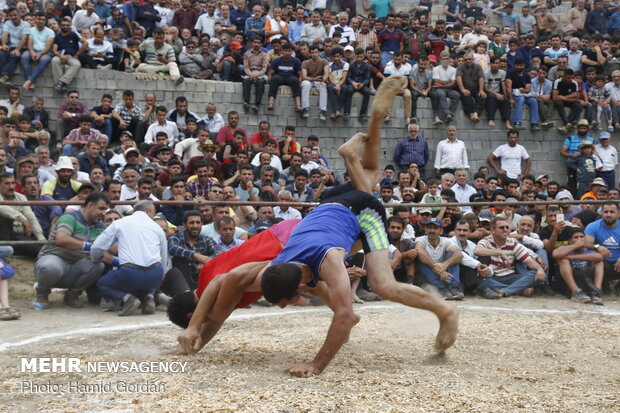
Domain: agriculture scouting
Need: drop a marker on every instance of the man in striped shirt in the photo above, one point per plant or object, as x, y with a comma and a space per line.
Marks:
512, 268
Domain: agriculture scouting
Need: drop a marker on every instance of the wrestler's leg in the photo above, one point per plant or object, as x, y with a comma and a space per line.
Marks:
383, 283
364, 169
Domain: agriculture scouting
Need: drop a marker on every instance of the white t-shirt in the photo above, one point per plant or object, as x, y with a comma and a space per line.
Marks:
511, 158
445, 75
437, 254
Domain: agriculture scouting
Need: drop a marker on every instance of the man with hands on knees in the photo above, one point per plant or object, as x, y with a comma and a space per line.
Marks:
508, 276
471, 271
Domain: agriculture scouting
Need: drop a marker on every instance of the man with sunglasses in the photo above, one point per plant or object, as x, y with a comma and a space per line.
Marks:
513, 270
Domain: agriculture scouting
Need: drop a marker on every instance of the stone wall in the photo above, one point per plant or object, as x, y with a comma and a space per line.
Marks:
479, 139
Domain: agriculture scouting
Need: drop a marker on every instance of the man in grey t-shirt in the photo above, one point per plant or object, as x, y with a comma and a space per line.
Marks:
420, 81
496, 96
526, 23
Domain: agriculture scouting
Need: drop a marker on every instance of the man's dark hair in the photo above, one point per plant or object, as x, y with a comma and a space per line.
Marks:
180, 99
146, 180
86, 118
396, 219
128, 92
23, 180
158, 30
301, 172
106, 186
219, 205
400, 208
161, 108
178, 178
280, 282
181, 307
95, 197
189, 214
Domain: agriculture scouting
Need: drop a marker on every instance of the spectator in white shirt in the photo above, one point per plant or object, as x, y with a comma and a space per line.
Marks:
286, 212
609, 158
214, 121
396, 67
511, 155
162, 125
190, 147
462, 190
450, 154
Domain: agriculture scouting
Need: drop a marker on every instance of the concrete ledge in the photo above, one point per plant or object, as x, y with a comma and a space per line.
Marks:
479, 139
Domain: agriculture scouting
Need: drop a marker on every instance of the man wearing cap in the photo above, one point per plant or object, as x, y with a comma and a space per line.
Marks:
596, 186
413, 148
439, 259
17, 222
569, 210
62, 188
570, 150
608, 156
512, 268
132, 159
230, 65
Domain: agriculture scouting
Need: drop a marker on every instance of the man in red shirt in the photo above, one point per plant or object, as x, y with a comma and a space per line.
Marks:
227, 133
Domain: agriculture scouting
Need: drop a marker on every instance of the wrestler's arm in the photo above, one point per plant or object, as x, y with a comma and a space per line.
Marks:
236, 282
195, 336
216, 304
335, 275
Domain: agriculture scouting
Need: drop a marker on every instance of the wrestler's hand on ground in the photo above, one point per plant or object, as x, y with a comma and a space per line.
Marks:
304, 370
190, 341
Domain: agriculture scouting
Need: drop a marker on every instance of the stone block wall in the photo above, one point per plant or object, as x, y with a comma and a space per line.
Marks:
479, 139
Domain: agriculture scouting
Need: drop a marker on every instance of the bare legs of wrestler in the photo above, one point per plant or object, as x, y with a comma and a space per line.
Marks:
364, 172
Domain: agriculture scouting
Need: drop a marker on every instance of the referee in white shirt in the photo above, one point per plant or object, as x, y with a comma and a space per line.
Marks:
142, 257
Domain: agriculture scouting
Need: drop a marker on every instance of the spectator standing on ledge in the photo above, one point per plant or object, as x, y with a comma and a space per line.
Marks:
413, 148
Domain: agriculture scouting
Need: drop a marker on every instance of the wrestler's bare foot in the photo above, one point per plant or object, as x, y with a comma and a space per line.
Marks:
352, 147
357, 319
385, 95
448, 330
356, 300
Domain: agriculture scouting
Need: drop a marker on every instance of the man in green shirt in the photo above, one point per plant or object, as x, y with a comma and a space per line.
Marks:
64, 261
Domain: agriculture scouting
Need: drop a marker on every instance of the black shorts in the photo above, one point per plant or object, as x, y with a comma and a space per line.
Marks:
369, 211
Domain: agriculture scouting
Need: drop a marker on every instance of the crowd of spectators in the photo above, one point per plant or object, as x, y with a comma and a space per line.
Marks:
139, 149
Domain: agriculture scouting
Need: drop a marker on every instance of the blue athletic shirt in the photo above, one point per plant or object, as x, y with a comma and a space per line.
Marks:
607, 237
328, 226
